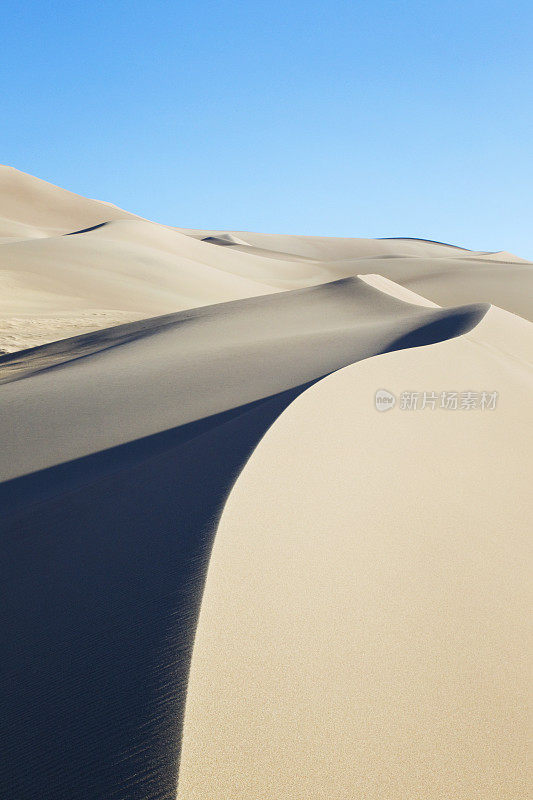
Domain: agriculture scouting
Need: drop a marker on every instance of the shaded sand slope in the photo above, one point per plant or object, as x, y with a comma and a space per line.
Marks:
69, 265
204, 362
124, 459
364, 627
508, 285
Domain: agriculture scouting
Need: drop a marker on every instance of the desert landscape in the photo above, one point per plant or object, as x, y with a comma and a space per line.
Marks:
228, 572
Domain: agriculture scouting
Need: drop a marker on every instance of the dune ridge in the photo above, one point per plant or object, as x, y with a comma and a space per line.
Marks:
162, 385
69, 265
120, 492
363, 630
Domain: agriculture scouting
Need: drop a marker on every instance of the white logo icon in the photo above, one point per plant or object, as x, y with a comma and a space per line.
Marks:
384, 400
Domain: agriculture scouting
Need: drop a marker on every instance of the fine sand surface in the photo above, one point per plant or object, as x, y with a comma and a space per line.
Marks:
362, 632
69, 265
110, 500
364, 629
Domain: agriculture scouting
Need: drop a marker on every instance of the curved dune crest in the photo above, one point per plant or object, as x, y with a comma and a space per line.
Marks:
363, 631
127, 458
248, 350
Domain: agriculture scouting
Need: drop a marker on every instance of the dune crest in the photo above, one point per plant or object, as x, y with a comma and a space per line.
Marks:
361, 632
61, 253
120, 492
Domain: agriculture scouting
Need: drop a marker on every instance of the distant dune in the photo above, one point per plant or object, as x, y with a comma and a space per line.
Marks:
187, 409
115, 267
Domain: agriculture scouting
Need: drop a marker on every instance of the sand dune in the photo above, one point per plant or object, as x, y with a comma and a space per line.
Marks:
69, 264
117, 489
33, 208
362, 629
204, 362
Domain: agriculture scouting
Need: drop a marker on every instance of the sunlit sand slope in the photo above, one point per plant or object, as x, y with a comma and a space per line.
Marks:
363, 631
119, 450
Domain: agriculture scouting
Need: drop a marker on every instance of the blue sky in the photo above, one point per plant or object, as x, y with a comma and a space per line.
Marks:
382, 118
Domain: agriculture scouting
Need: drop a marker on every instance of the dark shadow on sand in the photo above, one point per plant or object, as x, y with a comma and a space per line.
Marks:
87, 230
105, 559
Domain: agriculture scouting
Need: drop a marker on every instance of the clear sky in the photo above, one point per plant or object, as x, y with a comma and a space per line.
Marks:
377, 118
